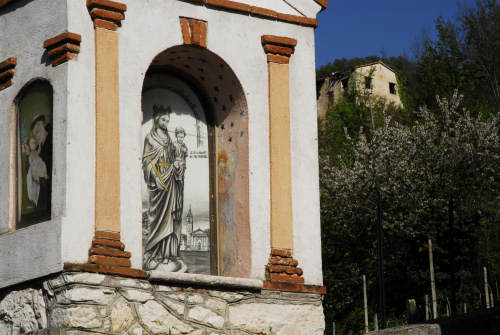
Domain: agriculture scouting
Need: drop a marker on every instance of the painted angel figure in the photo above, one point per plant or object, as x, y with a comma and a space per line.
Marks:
37, 169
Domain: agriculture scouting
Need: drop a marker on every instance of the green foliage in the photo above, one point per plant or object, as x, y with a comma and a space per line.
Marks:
443, 163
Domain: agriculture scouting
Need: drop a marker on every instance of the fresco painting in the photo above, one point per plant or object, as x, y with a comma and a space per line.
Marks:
35, 160
176, 180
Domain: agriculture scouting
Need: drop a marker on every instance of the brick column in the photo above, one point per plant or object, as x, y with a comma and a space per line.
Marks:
281, 267
107, 253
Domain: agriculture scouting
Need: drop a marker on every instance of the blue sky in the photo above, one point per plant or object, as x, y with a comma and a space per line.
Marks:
358, 28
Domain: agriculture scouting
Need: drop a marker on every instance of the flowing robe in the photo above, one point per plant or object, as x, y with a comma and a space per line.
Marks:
165, 197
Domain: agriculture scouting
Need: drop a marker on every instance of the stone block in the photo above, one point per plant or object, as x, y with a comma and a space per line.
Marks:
83, 278
195, 298
83, 294
173, 295
216, 305
228, 296
205, 316
77, 317
158, 320
22, 312
122, 316
283, 319
128, 282
136, 295
173, 305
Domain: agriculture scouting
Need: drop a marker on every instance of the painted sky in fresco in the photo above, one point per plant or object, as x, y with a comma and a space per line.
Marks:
359, 28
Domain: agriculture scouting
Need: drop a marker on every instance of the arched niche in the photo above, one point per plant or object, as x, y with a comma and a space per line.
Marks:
31, 155
202, 95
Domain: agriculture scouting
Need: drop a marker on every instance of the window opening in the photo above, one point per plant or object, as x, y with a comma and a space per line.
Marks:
392, 88
368, 82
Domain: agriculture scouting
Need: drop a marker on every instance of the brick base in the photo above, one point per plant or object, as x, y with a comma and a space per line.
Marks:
283, 268
107, 256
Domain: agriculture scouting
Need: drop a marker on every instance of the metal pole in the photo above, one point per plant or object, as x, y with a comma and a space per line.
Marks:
465, 308
433, 282
380, 237
426, 307
380, 232
486, 294
333, 328
365, 304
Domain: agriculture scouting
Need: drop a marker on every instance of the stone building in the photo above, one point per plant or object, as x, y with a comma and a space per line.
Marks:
117, 116
376, 80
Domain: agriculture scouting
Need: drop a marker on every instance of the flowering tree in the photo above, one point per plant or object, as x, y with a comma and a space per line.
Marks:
438, 179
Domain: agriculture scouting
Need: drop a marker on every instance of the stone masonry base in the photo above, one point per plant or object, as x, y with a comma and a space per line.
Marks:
88, 303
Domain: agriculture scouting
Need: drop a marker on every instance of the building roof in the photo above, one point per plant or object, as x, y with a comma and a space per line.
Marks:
200, 232
375, 63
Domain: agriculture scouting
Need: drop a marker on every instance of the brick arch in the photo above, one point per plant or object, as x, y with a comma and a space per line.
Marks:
224, 102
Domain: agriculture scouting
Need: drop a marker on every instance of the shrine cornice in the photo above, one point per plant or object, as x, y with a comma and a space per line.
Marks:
244, 8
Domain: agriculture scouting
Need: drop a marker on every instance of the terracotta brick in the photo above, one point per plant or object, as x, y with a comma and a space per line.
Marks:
203, 34
7, 64
322, 3
195, 32
291, 270
283, 261
186, 31
278, 59
66, 47
86, 267
109, 252
107, 4
107, 260
280, 40
281, 252
306, 21
6, 75
64, 58
264, 12
276, 49
310, 22
100, 242
107, 235
67, 36
126, 272
98, 13
3, 86
98, 23
285, 278
231, 5
291, 287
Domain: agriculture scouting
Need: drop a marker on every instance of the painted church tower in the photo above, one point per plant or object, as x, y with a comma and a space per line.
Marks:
189, 228
116, 116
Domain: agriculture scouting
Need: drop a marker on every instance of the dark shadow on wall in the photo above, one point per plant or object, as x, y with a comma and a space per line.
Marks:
12, 5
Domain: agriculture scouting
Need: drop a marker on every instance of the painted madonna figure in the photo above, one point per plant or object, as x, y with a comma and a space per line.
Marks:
164, 177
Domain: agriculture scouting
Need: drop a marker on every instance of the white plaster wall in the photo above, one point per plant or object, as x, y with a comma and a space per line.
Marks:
78, 223
151, 27
309, 8
305, 166
280, 6
34, 251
